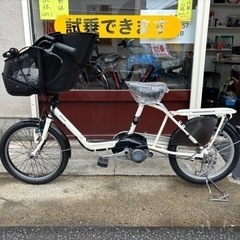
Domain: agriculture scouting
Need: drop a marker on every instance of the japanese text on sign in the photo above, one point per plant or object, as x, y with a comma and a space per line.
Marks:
51, 9
186, 34
184, 10
120, 26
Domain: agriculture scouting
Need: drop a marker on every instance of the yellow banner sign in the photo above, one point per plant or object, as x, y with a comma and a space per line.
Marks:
51, 9
121, 26
184, 10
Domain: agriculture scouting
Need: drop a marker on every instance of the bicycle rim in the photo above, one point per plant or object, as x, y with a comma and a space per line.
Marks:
222, 158
49, 162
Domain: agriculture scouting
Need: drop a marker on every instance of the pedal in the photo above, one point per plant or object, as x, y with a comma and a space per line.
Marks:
102, 161
150, 154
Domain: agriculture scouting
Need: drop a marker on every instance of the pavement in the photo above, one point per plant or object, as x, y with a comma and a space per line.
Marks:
125, 194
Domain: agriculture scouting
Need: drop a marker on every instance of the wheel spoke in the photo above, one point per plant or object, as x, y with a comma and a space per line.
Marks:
17, 146
216, 162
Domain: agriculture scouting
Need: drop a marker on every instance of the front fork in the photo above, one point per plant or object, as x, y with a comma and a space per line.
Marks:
44, 135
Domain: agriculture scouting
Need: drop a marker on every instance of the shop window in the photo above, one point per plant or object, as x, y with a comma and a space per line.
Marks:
117, 60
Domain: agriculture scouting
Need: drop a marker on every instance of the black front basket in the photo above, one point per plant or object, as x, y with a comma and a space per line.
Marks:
40, 71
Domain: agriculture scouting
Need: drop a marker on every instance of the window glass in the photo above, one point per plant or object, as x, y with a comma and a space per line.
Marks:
125, 58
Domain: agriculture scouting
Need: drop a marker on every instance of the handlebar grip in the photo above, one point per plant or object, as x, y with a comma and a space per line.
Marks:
49, 37
68, 49
12, 52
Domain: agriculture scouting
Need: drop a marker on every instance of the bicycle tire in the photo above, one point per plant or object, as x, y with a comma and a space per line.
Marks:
91, 78
49, 163
225, 147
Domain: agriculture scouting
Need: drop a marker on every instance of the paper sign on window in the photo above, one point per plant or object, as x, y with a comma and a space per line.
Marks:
51, 9
184, 12
121, 26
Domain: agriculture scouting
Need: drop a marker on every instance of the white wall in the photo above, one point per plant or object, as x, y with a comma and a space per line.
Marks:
11, 35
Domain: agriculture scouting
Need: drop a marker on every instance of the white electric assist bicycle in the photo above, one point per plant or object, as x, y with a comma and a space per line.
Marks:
204, 149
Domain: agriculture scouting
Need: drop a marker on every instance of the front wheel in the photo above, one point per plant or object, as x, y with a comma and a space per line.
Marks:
20, 140
220, 161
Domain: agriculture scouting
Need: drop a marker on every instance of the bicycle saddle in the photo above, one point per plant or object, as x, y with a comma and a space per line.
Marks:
147, 92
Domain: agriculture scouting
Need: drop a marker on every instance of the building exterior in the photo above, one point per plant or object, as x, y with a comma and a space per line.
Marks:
23, 21
11, 35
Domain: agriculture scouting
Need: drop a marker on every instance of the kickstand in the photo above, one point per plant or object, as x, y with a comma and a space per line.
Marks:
222, 198
224, 195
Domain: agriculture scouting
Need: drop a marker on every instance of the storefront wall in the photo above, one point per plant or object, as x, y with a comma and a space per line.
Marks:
12, 35
102, 113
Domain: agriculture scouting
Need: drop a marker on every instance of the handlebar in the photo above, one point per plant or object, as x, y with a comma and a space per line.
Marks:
66, 48
51, 41
125, 44
12, 52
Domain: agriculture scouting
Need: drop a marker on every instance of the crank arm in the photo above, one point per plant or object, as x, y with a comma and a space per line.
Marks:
103, 160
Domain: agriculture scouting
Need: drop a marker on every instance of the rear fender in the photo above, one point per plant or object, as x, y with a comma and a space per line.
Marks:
201, 128
236, 129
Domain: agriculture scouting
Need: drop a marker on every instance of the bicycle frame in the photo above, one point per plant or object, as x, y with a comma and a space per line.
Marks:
36, 151
158, 143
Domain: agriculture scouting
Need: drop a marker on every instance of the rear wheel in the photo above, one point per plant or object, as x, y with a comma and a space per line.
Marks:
17, 144
223, 158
